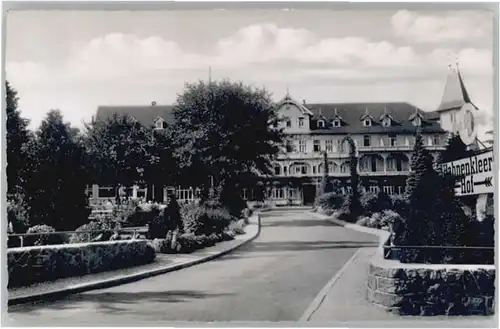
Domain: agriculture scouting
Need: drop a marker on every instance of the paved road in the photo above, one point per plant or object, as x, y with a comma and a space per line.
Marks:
274, 278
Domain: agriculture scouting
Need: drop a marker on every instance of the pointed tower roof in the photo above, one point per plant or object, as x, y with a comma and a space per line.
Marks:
455, 94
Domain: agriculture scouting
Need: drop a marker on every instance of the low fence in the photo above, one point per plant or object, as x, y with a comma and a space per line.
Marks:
63, 237
440, 254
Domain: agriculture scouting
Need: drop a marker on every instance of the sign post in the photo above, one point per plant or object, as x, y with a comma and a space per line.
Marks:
475, 174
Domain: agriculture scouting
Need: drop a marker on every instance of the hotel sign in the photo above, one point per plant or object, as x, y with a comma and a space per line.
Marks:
475, 174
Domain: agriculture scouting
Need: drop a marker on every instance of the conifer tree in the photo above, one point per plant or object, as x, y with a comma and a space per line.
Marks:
325, 180
352, 203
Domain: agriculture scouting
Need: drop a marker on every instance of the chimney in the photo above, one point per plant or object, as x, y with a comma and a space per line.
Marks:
153, 103
319, 111
304, 101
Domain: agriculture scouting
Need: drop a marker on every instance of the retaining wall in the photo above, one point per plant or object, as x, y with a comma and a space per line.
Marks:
28, 265
430, 289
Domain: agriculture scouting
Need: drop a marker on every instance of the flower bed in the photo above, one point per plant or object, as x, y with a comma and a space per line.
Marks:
30, 265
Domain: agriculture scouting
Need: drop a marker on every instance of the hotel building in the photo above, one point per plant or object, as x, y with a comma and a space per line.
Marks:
384, 135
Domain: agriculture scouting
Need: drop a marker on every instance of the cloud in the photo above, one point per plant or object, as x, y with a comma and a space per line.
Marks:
127, 69
456, 26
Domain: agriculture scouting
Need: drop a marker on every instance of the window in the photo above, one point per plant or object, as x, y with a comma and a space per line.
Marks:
386, 122
407, 141
367, 122
393, 141
391, 164
314, 169
159, 124
336, 123
277, 170
435, 140
382, 141
417, 121
321, 124
244, 194
344, 167
303, 169
329, 146
429, 140
285, 170
289, 146
302, 146
366, 140
301, 122
288, 123
317, 146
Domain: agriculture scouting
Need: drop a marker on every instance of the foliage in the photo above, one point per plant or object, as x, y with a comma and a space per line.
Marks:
330, 201
238, 227
159, 225
352, 205
247, 213
118, 150
42, 239
17, 137
205, 220
326, 185
384, 220
399, 204
455, 149
17, 213
55, 192
210, 136
102, 229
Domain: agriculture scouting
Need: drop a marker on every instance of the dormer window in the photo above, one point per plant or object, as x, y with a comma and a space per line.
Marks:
386, 122
336, 123
301, 122
160, 123
288, 123
417, 121
321, 124
367, 122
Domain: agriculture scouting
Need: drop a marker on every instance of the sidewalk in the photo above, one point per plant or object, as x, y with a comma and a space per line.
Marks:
345, 301
164, 263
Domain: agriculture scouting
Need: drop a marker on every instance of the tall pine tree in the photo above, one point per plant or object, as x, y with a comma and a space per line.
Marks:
17, 137
353, 204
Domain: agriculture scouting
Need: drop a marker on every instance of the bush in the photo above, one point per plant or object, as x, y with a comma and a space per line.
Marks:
158, 226
42, 239
399, 204
103, 230
330, 201
247, 213
369, 203
203, 220
17, 213
237, 227
363, 221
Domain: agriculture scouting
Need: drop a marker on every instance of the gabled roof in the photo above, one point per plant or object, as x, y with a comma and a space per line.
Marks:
288, 99
146, 115
455, 94
352, 112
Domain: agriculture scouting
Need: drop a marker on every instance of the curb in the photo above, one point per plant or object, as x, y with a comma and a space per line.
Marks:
58, 294
320, 297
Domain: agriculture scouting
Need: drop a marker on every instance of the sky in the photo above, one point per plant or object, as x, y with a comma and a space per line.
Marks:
75, 61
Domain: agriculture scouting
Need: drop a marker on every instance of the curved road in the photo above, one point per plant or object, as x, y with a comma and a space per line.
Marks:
274, 278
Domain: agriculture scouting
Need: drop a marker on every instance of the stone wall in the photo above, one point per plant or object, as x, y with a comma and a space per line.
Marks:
28, 265
424, 289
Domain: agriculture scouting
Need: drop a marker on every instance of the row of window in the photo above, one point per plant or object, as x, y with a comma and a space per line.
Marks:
330, 147
367, 122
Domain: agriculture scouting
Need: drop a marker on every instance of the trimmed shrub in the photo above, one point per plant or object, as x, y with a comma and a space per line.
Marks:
369, 202
399, 204
42, 239
103, 230
203, 220
363, 221
330, 201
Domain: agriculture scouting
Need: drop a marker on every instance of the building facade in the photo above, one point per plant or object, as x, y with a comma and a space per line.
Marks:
384, 135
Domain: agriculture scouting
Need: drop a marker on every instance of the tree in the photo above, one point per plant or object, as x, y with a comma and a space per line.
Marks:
224, 134
56, 190
118, 150
352, 204
455, 149
17, 137
325, 180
